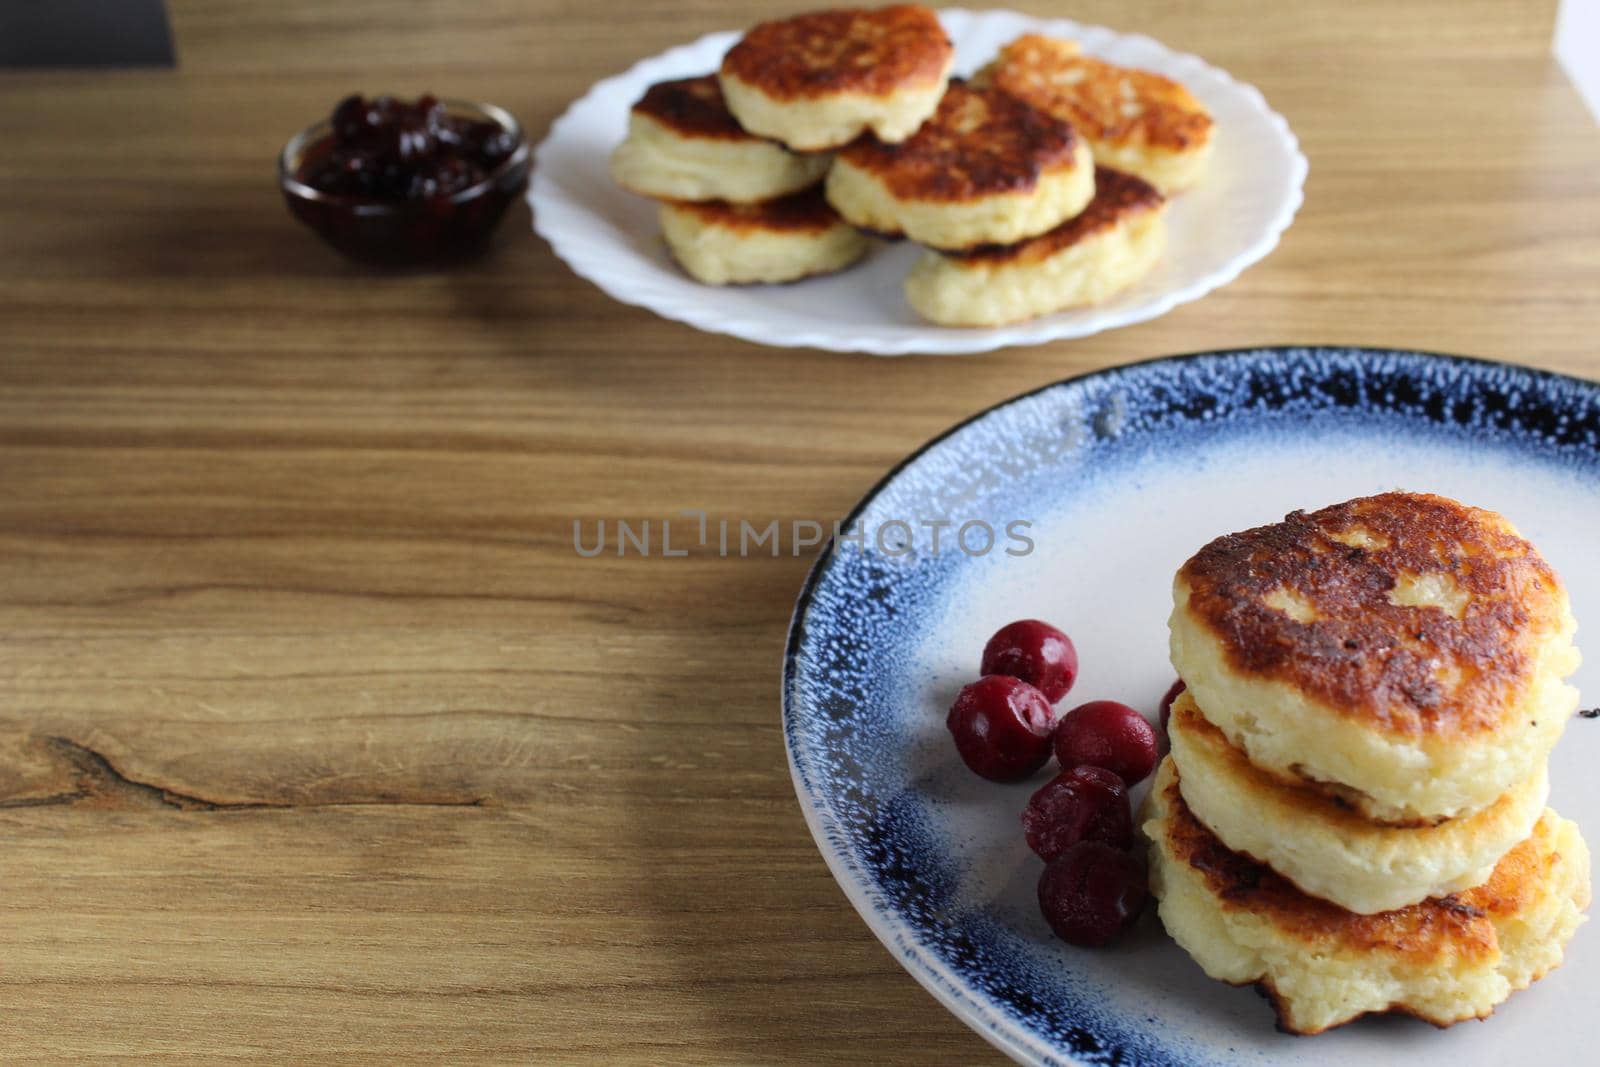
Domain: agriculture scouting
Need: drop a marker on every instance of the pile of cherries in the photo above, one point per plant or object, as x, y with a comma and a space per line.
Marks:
1080, 822
387, 149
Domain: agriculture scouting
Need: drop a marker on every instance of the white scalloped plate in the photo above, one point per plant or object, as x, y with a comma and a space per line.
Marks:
609, 236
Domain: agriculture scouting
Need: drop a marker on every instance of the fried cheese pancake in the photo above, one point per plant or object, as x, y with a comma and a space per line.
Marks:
1323, 847
1091, 257
1443, 960
1134, 120
817, 81
777, 241
1403, 651
985, 169
684, 144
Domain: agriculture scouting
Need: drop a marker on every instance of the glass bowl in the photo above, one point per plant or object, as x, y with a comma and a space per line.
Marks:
402, 232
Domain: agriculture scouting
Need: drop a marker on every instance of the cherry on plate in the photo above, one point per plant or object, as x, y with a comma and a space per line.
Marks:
1036, 652
1104, 733
1091, 893
1002, 727
1084, 804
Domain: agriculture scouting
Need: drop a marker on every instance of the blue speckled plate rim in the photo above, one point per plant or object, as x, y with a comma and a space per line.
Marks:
889, 927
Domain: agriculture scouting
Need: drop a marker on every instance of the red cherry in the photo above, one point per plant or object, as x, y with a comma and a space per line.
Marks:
1001, 727
1091, 893
1084, 804
1104, 733
1036, 652
1166, 702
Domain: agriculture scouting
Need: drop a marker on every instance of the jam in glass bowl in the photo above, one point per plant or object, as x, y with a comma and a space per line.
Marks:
404, 182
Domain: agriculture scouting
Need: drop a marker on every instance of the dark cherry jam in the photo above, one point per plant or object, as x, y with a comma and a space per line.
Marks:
401, 182
387, 149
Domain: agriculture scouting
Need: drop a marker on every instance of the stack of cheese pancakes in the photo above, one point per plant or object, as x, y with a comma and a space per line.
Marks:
1040, 185
1353, 812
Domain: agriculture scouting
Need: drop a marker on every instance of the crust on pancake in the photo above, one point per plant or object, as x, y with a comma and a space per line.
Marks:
1134, 120
684, 144
803, 213
1408, 611
816, 81
985, 169
1117, 197
777, 241
1443, 960
1326, 849
843, 50
978, 143
692, 107
1091, 257
1404, 646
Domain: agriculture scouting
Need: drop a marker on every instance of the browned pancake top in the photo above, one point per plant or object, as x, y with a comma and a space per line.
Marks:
1458, 924
1105, 102
978, 143
802, 212
1318, 602
1117, 196
692, 107
844, 50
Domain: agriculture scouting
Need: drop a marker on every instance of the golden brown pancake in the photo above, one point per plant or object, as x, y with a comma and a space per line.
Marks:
1406, 651
1134, 120
1406, 612
1442, 960
1117, 196
984, 169
777, 241
817, 81
844, 50
1420, 931
1110, 245
1323, 846
1103, 101
684, 144
978, 143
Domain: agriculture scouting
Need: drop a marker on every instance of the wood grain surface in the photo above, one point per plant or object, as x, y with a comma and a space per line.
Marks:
317, 739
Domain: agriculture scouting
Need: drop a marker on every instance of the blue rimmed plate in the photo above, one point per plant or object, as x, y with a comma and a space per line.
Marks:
1076, 504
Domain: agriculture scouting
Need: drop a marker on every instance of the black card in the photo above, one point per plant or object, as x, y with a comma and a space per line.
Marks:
85, 33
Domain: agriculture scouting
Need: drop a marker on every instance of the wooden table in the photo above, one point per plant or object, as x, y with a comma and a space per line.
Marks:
317, 739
